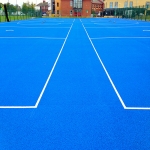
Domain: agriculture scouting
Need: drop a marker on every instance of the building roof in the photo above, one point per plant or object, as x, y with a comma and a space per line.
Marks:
42, 4
98, 1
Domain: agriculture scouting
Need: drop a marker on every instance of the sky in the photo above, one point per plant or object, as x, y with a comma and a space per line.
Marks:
20, 2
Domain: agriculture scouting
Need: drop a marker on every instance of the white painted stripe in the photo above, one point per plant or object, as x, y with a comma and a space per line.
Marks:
9, 30
119, 27
51, 72
113, 22
16, 107
120, 38
52, 38
147, 30
42, 24
138, 108
42, 92
30, 27
113, 85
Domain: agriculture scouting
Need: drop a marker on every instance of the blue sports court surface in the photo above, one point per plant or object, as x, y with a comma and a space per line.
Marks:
75, 84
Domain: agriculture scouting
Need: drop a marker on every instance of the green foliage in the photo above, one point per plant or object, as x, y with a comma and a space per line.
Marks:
93, 12
1, 5
11, 7
26, 7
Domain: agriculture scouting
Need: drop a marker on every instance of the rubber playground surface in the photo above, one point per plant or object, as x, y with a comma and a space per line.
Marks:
75, 84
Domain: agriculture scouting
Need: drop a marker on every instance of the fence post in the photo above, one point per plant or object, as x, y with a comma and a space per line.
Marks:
145, 13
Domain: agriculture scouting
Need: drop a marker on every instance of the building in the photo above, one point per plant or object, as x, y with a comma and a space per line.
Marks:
97, 7
67, 8
57, 8
73, 8
125, 3
44, 7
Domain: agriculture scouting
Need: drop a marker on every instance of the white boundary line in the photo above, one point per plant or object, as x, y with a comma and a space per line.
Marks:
29, 27
45, 85
18, 107
32, 38
121, 27
41, 94
113, 85
39, 24
120, 38
114, 23
9, 30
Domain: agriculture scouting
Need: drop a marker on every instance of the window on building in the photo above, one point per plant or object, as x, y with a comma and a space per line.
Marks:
147, 4
57, 4
57, 11
71, 3
77, 3
131, 4
111, 5
125, 4
116, 5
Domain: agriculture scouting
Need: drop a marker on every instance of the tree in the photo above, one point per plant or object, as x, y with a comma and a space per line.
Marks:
11, 7
25, 8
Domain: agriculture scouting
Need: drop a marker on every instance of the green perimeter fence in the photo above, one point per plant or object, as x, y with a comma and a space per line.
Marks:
18, 15
139, 13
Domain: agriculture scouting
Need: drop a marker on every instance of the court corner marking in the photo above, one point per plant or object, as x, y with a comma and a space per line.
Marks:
51, 72
137, 108
17, 107
115, 89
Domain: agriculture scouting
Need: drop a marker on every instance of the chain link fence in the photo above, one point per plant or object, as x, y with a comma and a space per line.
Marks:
15, 15
139, 13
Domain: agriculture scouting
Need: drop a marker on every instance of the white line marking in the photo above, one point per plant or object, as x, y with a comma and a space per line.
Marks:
113, 22
120, 27
40, 24
120, 38
137, 108
147, 30
115, 89
9, 30
14, 107
121, 100
42, 92
52, 38
29, 27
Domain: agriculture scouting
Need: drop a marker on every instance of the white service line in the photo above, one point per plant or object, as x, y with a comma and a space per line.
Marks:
115, 89
53, 38
45, 85
120, 27
29, 27
113, 85
146, 30
9, 30
120, 38
50, 74
17, 107
138, 108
